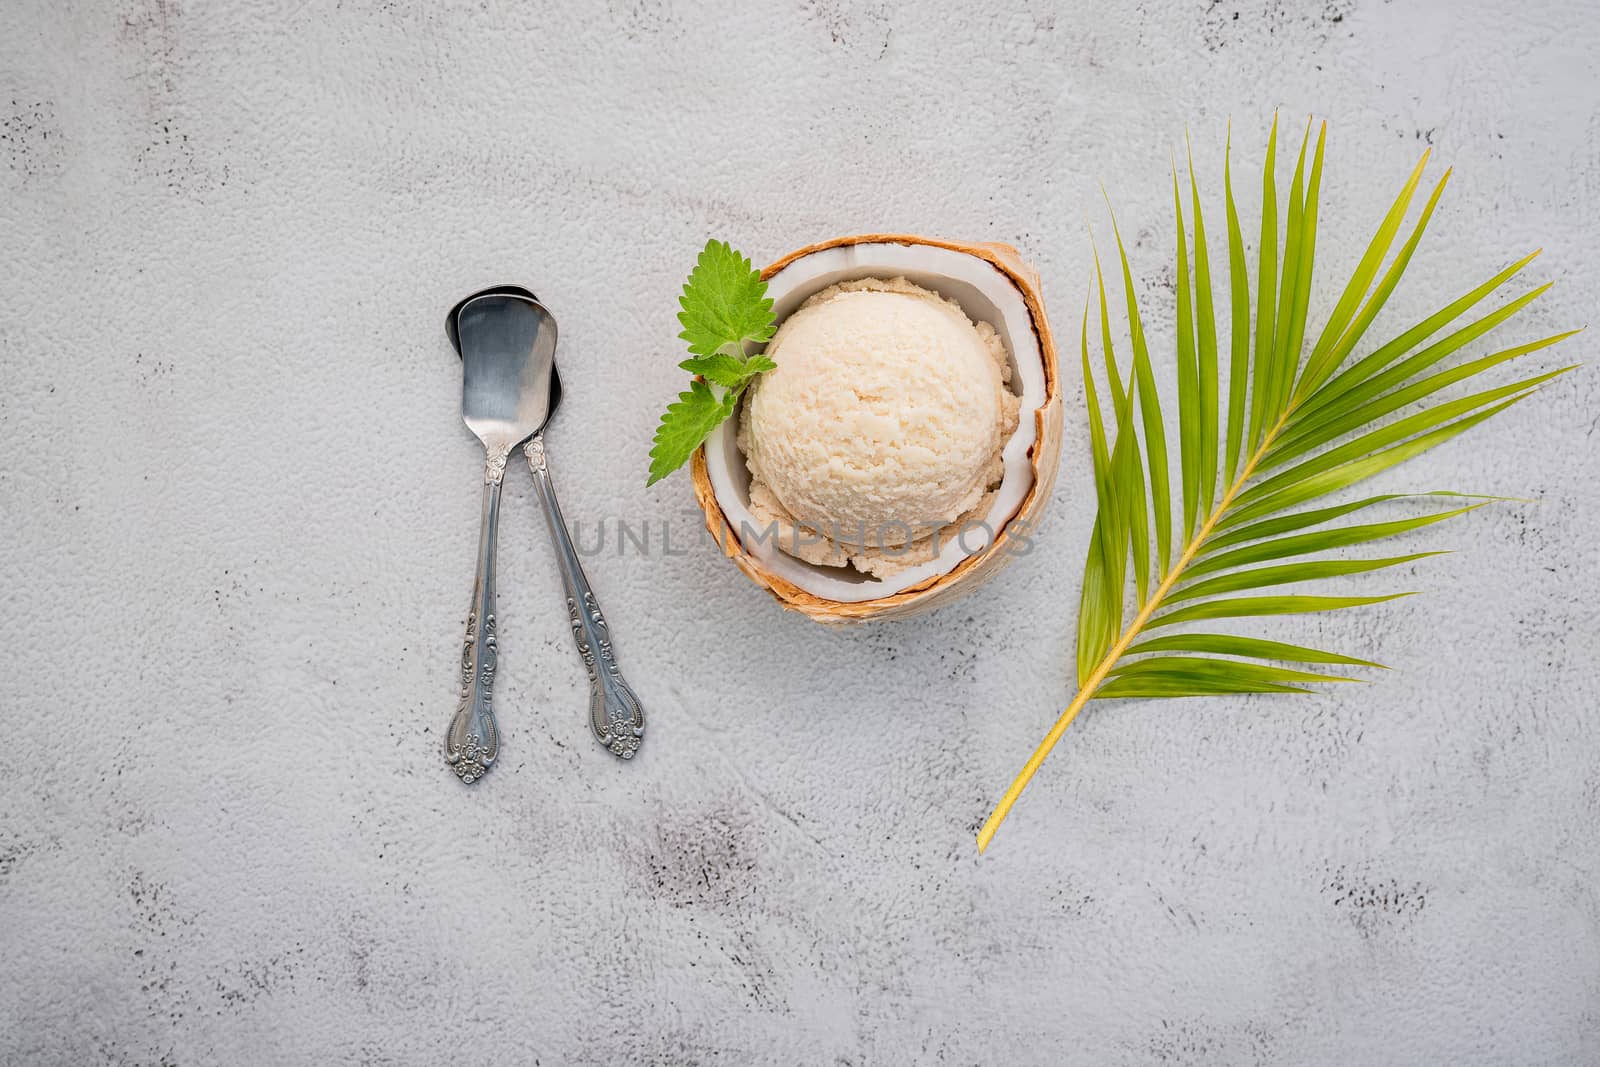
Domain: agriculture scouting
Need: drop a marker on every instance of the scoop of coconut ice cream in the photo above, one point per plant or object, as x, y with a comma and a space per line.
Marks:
885, 416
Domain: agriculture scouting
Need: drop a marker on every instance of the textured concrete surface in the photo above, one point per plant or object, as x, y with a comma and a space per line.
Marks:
237, 515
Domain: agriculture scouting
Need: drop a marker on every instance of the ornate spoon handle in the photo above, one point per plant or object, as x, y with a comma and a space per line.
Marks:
473, 741
615, 715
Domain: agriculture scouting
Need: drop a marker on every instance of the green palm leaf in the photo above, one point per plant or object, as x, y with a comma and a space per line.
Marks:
1254, 647
1299, 427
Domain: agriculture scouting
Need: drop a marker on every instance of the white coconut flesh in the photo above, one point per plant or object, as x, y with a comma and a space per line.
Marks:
985, 294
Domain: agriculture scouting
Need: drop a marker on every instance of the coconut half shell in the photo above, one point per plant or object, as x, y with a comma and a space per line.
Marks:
992, 284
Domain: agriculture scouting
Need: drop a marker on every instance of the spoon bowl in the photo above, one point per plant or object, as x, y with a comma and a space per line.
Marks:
508, 348
452, 330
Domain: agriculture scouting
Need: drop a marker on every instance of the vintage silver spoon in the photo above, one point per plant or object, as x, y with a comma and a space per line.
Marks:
507, 344
615, 714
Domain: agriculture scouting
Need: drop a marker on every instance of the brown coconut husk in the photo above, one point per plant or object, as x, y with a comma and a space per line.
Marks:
975, 569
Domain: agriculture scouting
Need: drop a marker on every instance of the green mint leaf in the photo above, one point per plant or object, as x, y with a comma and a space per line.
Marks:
686, 423
721, 368
728, 371
758, 365
725, 306
724, 303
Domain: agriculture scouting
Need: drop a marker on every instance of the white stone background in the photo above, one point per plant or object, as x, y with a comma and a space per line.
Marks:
238, 511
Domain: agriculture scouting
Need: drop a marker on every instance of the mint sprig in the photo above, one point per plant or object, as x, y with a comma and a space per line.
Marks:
725, 307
